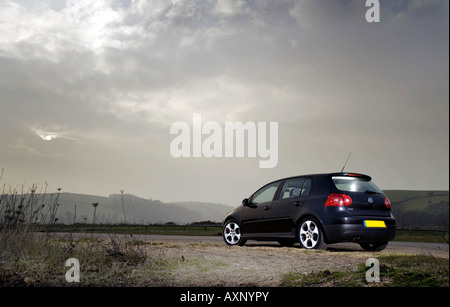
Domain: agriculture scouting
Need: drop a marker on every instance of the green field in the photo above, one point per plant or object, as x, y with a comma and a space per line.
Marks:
420, 209
437, 236
181, 230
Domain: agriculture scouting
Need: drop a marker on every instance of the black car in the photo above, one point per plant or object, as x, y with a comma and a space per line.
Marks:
314, 210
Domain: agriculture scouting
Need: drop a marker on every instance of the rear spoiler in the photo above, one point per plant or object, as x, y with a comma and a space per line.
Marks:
355, 175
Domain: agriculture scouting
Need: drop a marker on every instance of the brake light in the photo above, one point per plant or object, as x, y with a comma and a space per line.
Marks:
354, 175
338, 200
387, 203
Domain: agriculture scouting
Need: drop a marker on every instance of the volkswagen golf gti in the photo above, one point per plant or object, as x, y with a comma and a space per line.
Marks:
314, 210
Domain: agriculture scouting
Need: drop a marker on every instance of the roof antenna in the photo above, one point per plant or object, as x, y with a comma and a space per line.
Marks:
346, 162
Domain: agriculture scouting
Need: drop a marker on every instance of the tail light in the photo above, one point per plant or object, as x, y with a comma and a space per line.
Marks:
338, 200
387, 203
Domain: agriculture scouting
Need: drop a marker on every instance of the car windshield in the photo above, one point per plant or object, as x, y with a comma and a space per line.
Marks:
353, 184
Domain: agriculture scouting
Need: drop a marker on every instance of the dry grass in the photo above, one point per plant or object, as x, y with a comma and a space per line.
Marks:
30, 255
39, 260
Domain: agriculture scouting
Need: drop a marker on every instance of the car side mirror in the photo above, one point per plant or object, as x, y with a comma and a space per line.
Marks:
245, 202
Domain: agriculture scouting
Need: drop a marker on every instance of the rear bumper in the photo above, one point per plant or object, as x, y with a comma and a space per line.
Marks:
352, 229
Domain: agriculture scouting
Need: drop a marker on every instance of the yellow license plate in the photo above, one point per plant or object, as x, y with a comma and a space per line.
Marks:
380, 224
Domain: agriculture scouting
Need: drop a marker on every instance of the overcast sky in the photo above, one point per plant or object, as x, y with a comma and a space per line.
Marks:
90, 89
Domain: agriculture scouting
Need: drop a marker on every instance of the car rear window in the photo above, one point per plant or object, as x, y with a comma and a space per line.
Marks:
355, 184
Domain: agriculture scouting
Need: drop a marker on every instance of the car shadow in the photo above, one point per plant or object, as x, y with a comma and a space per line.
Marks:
337, 247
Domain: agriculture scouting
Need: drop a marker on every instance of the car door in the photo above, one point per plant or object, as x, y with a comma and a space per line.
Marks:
286, 207
256, 214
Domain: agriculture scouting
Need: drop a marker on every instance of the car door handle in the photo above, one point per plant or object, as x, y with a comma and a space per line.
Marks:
298, 203
266, 208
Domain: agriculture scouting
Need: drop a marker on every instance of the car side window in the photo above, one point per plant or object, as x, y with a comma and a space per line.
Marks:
292, 188
266, 193
306, 187
295, 187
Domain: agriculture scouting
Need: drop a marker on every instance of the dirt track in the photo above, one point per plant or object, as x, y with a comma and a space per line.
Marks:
207, 261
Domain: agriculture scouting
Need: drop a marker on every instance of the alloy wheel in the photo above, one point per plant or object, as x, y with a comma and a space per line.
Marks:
309, 234
232, 233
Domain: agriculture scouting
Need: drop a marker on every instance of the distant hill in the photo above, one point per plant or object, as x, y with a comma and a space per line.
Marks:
410, 208
420, 208
78, 208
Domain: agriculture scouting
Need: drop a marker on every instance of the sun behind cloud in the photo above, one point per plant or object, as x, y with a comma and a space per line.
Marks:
48, 135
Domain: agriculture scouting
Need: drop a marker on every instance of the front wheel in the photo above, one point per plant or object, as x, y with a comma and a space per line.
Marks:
311, 235
232, 233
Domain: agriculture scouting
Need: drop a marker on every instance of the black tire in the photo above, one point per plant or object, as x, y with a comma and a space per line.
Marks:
231, 233
373, 246
310, 234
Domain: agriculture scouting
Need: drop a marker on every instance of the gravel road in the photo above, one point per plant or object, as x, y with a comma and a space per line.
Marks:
208, 261
417, 248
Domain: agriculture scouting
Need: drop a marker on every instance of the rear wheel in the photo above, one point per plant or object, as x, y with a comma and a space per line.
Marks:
311, 235
232, 233
373, 246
